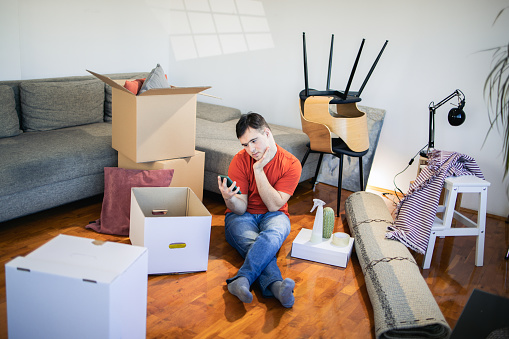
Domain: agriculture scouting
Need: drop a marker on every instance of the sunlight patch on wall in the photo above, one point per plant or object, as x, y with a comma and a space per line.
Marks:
204, 28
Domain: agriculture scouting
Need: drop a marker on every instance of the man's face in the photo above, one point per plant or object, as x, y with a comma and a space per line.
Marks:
255, 142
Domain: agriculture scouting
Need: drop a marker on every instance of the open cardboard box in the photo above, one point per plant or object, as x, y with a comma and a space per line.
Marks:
158, 124
188, 171
174, 225
73, 287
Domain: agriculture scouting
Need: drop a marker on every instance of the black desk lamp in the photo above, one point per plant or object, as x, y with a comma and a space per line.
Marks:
456, 117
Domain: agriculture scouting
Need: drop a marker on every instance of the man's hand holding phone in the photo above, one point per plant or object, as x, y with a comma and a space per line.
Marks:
227, 187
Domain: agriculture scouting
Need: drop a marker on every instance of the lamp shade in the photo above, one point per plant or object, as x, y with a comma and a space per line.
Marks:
456, 116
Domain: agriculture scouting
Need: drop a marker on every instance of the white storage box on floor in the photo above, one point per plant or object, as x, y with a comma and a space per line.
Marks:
74, 287
323, 251
174, 225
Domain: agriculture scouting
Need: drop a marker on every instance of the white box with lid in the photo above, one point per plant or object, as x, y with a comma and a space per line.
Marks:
73, 287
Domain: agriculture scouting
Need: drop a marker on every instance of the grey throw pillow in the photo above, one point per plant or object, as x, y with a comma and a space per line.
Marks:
9, 122
52, 105
156, 79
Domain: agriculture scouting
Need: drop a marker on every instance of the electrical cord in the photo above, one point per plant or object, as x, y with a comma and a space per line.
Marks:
396, 188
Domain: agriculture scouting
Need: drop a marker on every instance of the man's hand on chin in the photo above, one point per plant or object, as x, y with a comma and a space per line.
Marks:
264, 160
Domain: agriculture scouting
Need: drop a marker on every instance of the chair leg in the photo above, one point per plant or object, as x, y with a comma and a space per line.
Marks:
361, 177
340, 183
305, 157
317, 169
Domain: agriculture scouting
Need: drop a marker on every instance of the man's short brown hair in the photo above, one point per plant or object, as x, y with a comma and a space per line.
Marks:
251, 119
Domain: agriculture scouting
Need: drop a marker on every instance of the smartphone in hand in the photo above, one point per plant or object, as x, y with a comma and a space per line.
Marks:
229, 182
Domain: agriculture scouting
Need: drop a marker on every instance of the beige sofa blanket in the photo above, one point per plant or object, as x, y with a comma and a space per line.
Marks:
402, 302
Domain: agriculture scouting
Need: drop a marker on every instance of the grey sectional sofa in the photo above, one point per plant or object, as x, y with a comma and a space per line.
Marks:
55, 140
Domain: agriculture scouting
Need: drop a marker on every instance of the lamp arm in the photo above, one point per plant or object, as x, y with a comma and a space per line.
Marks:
457, 93
432, 109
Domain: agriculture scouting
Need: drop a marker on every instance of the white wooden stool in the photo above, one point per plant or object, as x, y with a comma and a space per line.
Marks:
442, 227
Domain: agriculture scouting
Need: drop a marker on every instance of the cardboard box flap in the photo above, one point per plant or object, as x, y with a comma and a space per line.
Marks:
154, 91
174, 90
110, 82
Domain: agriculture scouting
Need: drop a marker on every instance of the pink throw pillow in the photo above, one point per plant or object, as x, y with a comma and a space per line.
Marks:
116, 205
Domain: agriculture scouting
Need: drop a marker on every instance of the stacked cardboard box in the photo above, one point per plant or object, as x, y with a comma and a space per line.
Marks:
157, 130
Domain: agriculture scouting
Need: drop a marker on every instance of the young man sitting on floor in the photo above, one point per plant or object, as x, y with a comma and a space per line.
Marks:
257, 220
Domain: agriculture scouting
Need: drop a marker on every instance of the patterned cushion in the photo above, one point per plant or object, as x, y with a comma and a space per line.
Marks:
52, 105
9, 126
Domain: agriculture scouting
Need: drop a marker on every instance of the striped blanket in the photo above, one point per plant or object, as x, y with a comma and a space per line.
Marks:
416, 212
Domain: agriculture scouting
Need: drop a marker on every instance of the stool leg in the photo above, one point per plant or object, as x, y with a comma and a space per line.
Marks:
317, 170
481, 224
450, 203
305, 157
340, 183
429, 251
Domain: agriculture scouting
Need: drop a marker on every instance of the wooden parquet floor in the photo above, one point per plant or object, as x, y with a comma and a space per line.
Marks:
331, 302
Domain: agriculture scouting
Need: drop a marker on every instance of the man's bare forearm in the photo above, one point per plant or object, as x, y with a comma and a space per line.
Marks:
237, 204
270, 197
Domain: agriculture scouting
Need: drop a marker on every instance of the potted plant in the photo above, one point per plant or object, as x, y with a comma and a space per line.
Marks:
496, 93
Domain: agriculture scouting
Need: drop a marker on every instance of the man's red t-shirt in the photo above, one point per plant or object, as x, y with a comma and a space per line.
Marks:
283, 173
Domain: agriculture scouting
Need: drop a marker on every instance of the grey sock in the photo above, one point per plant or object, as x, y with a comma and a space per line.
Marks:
240, 288
283, 291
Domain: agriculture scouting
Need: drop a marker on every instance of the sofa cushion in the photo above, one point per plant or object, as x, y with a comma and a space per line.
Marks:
216, 113
108, 105
38, 159
9, 126
52, 105
219, 142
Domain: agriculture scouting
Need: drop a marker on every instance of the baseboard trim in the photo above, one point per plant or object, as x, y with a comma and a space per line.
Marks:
462, 209
384, 190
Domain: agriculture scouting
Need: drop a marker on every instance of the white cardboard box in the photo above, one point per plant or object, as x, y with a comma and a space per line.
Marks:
178, 241
74, 287
189, 171
156, 125
323, 251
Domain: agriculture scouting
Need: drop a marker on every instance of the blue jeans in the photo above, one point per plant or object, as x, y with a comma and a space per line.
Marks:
258, 238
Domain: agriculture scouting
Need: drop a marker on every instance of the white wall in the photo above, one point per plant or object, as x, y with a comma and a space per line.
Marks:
250, 52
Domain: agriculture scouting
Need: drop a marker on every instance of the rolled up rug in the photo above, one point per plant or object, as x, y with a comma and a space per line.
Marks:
402, 302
